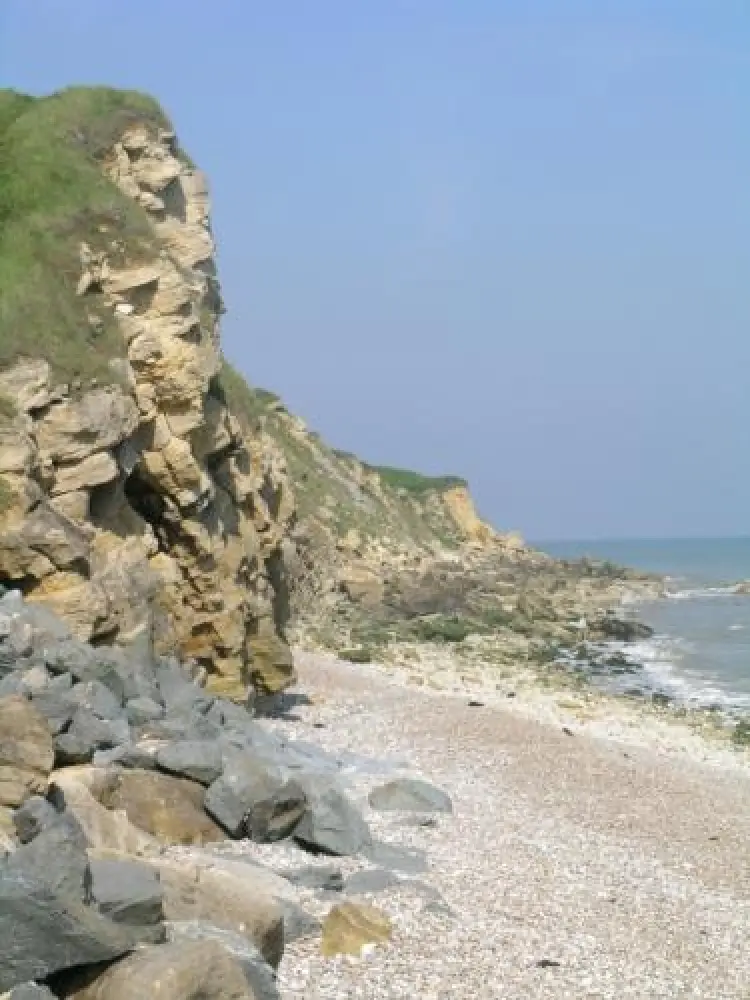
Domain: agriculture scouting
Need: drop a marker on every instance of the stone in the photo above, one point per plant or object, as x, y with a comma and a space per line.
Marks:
408, 860
272, 667
43, 932
79, 790
410, 795
57, 707
87, 734
142, 710
56, 857
179, 694
236, 898
198, 760
348, 927
371, 880
86, 663
190, 970
129, 892
32, 817
326, 877
97, 699
259, 974
331, 824
253, 799
26, 751
31, 991
169, 808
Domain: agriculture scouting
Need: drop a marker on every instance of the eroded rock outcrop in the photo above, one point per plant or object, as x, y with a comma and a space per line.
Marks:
141, 511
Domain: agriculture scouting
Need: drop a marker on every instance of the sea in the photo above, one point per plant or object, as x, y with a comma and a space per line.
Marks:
700, 652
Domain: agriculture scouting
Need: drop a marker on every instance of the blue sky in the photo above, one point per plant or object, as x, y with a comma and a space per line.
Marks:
509, 240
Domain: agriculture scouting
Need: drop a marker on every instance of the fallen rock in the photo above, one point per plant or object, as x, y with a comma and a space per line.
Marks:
86, 735
410, 795
56, 858
33, 816
409, 860
350, 926
31, 991
235, 899
79, 790
191, 970
97, 699
142, 710
198, 760
258, 972
128, 892
316, 877
371, 880
26, 751
252, 799
331, 824
171, 809
43, 932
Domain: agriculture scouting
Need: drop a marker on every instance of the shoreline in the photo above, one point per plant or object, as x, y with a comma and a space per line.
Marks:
556, 699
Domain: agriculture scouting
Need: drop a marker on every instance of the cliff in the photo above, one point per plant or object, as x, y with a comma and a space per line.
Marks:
144, 491
133, 502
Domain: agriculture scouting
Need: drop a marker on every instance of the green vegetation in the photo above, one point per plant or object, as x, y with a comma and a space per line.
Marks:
8, 409
414, 482
248, 404
7, 495
359, 655
53, 196
741, 734
443, 628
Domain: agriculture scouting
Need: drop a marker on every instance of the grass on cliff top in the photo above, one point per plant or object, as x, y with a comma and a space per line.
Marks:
53, 196
246, 402
414, 482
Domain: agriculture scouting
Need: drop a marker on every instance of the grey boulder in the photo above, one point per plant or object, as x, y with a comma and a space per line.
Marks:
31, 991
199, 760
32, 817
143, 709
87, 734
44, 932
97, 699
253, 799
410, 795
331, 823
129, 892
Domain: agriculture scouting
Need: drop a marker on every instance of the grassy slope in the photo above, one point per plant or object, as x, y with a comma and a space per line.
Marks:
335, 488
53, 196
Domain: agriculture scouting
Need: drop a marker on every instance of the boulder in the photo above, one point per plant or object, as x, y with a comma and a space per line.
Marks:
129, 892
253, 799
408, 860
189, 970
178, 691
79, 789
26, 751
258, 972
348, 927
410, 795
56, 705
86, 735
199, 760
43, 932
57, 858
272, 667
142, 710
171, 809
32, 817
326, 877
31, 991
331, 824
236, 897
97, 698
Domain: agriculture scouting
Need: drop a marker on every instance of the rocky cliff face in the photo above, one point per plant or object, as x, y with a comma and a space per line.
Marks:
135, 505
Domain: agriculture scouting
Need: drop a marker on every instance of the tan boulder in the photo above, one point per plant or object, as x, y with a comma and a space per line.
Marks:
236, 897
350, 926
170, 809
272, 666
27, 753
106, 829
94, 470
200, 970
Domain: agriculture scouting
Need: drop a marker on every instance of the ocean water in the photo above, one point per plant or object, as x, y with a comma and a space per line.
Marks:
700, 653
